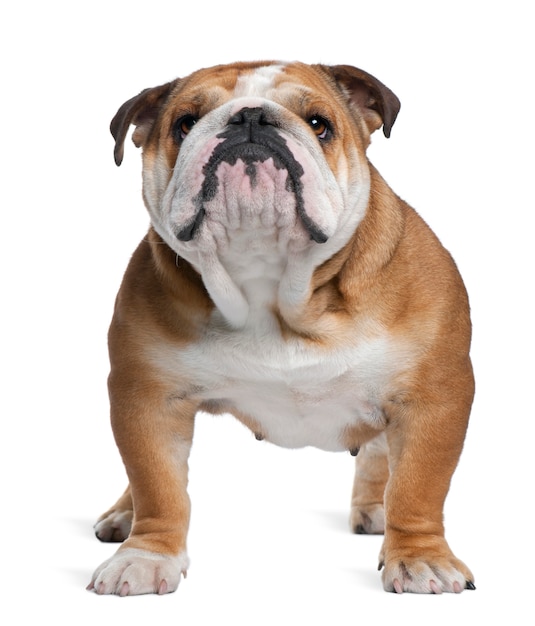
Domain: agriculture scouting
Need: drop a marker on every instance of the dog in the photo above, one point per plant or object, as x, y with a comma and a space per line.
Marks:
284, 282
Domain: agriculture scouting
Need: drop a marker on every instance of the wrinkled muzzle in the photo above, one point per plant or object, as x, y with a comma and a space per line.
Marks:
251, 146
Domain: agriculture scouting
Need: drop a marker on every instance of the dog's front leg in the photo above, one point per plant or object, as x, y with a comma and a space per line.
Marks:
154, 431
425, 441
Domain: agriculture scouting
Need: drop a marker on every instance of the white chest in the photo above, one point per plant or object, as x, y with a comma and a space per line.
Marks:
299, 395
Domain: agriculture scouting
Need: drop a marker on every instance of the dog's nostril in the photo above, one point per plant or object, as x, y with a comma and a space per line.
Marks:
237, 119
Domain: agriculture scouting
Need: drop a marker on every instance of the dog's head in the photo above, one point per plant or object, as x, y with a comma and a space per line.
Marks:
267, 150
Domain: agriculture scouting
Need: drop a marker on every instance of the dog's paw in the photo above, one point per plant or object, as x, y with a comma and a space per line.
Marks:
134, 572
114, 526
433, 575
368, 520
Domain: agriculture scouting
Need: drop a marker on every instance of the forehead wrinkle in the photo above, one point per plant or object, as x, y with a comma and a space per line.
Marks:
202, 99
315, 82
211, 98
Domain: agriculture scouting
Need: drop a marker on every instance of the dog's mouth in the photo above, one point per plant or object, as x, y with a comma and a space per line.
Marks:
250, 138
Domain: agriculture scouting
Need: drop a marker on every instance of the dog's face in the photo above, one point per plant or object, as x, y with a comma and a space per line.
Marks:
268, 152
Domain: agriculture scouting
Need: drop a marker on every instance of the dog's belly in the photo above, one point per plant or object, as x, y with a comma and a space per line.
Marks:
290, 393
294, 415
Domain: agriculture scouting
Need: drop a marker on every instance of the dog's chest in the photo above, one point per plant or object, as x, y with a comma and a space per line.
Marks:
294, 393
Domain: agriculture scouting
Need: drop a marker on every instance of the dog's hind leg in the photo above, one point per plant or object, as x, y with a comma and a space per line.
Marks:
115, 524
371, 475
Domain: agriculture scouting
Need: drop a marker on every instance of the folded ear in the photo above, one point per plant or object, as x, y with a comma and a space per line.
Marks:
140, 110
375, 101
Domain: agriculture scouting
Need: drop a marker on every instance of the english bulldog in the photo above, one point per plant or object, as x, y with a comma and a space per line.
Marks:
284, 282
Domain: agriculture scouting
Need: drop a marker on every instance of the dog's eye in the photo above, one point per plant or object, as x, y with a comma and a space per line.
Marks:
183, 126
320, 126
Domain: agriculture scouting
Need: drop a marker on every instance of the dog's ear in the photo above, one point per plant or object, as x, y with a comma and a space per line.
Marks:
375, 101
140, 110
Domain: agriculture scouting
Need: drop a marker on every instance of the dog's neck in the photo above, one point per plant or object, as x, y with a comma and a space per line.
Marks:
260, 281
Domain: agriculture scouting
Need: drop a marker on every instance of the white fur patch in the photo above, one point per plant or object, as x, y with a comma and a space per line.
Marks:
257, 83
133, 572
299, 395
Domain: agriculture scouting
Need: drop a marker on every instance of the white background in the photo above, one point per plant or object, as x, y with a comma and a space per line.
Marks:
269, 538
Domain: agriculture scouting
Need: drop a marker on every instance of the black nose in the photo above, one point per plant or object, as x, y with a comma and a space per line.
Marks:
250, 116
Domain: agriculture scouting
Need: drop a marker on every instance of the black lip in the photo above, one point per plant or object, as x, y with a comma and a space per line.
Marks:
188, 232
250, 138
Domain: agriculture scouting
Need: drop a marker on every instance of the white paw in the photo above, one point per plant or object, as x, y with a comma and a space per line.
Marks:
417, 576
114, 526
133, 572
368, 520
